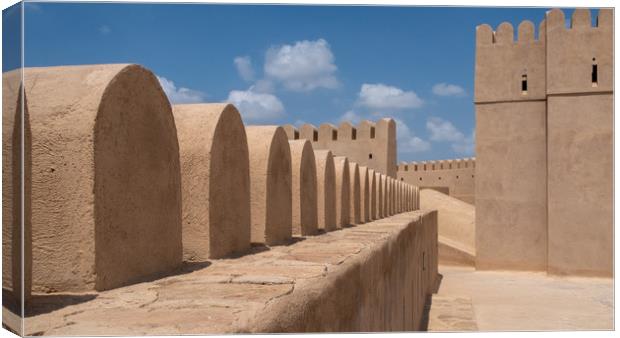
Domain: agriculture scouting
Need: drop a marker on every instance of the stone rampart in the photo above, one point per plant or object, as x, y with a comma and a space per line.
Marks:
121, 188
368, 278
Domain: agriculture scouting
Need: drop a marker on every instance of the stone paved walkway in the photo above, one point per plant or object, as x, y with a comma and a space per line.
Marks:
520, 301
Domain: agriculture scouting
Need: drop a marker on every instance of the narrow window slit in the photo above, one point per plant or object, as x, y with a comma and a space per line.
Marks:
594, 73
524, 84
315, 136
296, 136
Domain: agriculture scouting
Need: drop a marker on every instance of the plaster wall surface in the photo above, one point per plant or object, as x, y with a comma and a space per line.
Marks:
511, 214
215, 180
12, 177
581, 185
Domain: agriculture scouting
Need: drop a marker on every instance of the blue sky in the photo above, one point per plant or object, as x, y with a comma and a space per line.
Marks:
291, 64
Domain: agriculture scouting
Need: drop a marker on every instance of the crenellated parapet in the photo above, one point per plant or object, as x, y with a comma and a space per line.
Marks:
461, 163
455, 177
579, 57
371, 144
509, 69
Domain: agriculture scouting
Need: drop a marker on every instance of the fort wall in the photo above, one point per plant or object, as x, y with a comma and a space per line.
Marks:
455, 177
368, 144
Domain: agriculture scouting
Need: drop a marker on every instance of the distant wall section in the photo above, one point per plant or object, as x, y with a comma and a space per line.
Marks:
454, 177
368, 144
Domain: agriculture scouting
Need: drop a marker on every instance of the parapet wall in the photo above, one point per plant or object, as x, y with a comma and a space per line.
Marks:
368, 144
457, 176
372, 277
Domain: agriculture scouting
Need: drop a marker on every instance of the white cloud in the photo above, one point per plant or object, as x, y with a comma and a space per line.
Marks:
442, 130
351, 117
466, 146
304, 66
407, 141
446, 89
181, 94
32, 6
380, 96
244, 67
255, 106
105, 30
263, 86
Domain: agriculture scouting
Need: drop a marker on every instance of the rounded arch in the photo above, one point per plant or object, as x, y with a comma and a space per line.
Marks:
326, 189
137, 181
215, 180
305, 207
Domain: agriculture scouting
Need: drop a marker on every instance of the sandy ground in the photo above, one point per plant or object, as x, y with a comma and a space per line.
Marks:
520, 301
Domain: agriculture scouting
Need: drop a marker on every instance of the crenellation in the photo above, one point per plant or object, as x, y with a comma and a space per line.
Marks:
367, 130
327, 134
346, 132
456, 176
309, 132
525, 32
574, 54
504, 35
291, 132
370, 144
508, 70
581, 19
